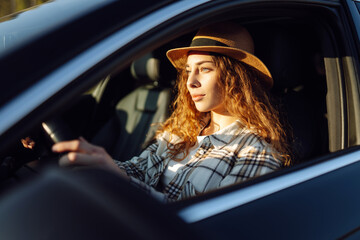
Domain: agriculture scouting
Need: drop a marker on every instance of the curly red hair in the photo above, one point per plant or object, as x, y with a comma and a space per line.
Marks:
245, 98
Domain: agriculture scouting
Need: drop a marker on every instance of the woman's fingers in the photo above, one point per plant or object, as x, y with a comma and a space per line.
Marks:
74, 158
77, 145
82, 153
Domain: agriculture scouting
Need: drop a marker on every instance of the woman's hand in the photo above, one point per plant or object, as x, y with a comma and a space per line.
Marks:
80, 152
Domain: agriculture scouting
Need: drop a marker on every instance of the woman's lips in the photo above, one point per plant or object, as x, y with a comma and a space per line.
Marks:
197, 97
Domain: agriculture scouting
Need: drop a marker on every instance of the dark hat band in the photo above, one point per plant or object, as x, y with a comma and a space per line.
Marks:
201, 42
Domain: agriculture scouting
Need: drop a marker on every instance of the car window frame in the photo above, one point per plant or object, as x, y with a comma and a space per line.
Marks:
172, 16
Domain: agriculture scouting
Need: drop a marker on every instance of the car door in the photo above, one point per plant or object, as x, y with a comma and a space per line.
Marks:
313, 199
317, 199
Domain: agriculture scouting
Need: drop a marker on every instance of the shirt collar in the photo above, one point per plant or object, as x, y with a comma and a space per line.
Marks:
226, 135
218, 139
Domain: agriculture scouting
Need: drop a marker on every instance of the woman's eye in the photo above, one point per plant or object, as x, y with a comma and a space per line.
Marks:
204, 69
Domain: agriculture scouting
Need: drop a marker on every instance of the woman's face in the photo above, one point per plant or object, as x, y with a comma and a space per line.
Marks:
202, 83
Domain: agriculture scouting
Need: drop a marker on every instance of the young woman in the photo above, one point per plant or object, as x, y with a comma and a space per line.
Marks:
223, 129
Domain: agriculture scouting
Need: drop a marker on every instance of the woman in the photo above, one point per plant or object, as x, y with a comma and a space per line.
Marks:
223, 129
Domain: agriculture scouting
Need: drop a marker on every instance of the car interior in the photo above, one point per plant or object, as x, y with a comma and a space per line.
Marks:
122, 112
294, 59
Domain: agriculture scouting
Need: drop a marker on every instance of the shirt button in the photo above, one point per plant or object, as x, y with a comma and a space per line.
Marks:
201, 151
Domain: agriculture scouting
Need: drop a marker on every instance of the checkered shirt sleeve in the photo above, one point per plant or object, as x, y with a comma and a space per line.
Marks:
221, 160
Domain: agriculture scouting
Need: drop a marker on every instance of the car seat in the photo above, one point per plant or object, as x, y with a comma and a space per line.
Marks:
300, 88
134, 123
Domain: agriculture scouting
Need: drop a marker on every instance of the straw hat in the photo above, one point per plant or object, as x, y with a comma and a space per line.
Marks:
227, 39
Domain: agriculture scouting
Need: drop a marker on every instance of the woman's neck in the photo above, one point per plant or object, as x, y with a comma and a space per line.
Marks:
218, 122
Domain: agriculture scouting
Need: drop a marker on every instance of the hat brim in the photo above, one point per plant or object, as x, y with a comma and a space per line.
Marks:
178, 57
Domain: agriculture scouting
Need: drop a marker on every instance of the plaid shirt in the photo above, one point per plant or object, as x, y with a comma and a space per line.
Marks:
231, 155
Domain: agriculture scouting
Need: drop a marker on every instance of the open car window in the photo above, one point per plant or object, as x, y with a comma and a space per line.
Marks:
298, 51
126, 84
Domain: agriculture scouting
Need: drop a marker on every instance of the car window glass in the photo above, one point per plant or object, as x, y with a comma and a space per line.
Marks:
28, 19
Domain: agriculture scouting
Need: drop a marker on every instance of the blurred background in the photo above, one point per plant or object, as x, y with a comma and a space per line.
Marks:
9, 7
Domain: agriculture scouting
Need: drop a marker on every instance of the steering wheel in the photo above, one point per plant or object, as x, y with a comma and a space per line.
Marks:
57, 130
35, 147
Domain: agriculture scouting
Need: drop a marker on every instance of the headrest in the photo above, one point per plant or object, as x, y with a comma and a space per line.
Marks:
154, 68
288, 58
146, 68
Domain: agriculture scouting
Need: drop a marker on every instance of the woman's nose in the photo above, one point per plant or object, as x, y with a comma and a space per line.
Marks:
193, 81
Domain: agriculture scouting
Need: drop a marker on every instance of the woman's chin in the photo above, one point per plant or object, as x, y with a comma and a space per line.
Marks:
202, 109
